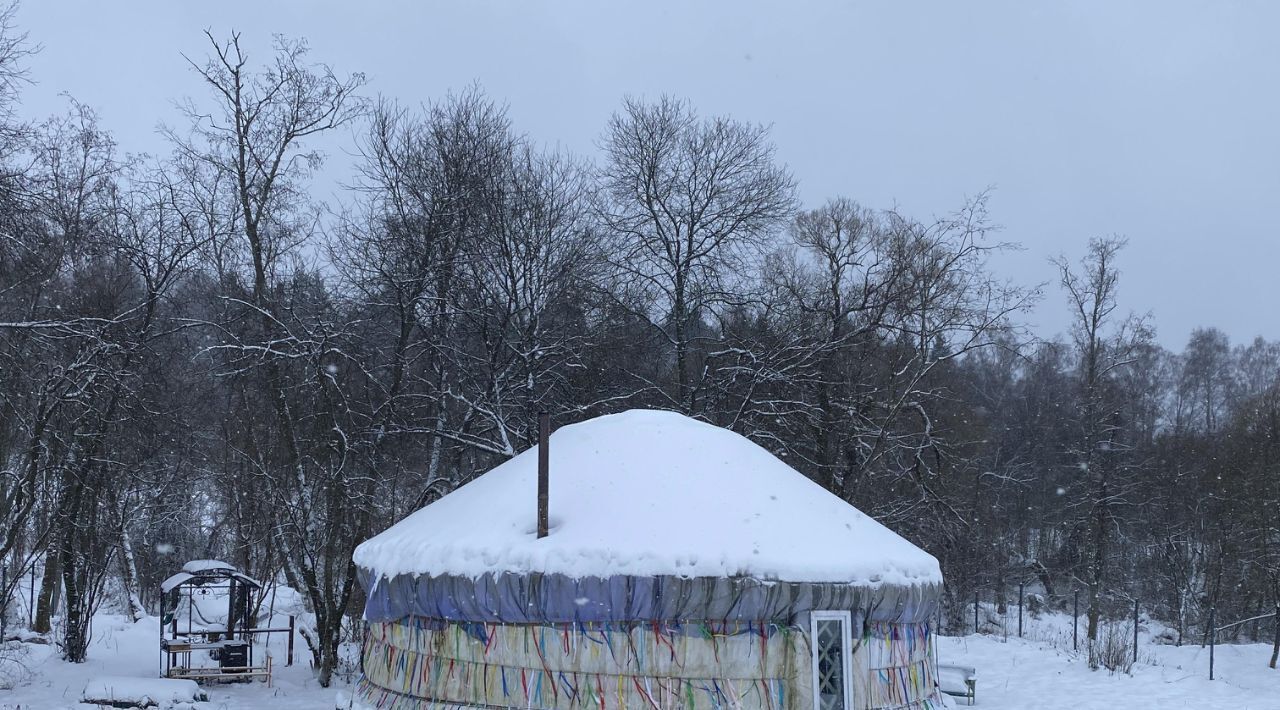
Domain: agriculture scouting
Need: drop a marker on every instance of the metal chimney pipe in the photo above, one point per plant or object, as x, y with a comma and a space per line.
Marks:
544, 436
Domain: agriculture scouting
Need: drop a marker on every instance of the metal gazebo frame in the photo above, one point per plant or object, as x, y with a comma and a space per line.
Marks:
230, 645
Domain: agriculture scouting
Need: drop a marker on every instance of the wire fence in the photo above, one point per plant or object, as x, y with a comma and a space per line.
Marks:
1116, 643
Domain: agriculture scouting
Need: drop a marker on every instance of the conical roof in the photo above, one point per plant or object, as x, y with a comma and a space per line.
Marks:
649, 493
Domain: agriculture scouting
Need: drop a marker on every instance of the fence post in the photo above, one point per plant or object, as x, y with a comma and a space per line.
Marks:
1275, 648
1075, 622
1135, 630
1213, 636
975, 611
289, 657
1022, 588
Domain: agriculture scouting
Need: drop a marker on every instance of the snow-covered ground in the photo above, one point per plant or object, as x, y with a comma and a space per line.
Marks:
1026, 675
33, 677
1038, 672
123, 648
1041, 671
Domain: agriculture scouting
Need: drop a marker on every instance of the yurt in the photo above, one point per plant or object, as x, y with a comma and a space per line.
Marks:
685, 567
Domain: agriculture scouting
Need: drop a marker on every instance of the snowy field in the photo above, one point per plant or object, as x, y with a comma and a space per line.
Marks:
1039, 672
1031, 675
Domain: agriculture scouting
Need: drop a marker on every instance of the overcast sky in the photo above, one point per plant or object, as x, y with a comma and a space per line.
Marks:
1158, 121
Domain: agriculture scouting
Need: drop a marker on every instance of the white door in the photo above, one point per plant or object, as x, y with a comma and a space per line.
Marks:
832, 645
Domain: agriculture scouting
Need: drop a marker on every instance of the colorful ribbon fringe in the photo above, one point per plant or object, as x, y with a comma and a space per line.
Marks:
417, 663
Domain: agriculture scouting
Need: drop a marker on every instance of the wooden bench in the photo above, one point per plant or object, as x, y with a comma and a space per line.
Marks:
959, 681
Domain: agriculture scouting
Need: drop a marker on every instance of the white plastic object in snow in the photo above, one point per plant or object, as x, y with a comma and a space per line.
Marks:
141, 692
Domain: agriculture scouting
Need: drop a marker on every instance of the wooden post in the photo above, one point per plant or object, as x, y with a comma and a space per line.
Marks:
288, 659
544, 435
1075, 622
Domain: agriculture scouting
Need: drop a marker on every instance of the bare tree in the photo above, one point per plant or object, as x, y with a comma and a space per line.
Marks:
429, 189
1208, 377
255, 134
1104, 345
73, 184
688, 202
528, 275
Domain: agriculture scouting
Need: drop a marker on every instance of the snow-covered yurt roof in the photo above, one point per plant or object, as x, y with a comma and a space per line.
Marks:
649, 493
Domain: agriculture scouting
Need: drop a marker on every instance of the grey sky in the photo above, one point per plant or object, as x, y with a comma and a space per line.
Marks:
1158, 121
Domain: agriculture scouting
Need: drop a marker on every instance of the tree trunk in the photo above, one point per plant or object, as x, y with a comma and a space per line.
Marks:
1046, 579
50, 586
70, 519
1097, 568
679, 325
129, 576
75, 638
327, 658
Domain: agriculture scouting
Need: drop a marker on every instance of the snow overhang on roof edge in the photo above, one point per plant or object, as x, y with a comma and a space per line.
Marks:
169, 584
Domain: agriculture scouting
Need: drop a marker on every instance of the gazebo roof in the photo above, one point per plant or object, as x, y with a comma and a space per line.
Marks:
650, 493
202, 572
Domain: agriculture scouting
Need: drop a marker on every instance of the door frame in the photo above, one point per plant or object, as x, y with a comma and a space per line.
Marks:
846, 652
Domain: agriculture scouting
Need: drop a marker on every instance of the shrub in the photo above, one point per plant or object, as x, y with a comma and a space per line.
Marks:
1114, 651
